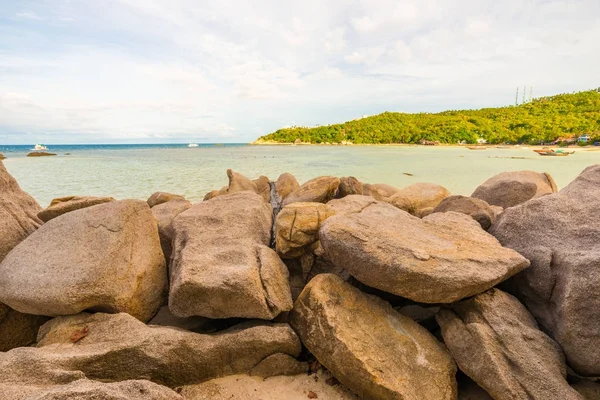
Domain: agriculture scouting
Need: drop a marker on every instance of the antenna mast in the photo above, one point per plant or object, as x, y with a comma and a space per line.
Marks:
524, 91
530, 93
517, 97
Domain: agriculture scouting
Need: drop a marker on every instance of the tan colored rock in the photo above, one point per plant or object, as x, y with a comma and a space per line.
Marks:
263, 188
221, 265
349, 185
117, 347
559, 234
279, 364
18, 213
370, 348
17, 329
496, 342
469, 390
317, 190
163, 197
165, 213
509, 189
297, 227
379, 191
211, 195
239, 183
101, 258
478, 209
351, 204
417, 198
2, 156
587, 389
441, 258
285, 185
63, 205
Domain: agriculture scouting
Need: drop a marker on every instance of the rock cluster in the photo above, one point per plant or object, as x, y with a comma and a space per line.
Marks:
380, 292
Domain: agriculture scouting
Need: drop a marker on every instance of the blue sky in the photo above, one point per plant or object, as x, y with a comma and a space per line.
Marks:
140, 71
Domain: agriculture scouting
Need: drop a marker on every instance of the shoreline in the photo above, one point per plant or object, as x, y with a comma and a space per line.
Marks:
497, 146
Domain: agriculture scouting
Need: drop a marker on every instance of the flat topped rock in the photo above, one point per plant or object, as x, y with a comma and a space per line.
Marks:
221, 265
441, 258
417, 197
370, 348
106, 257
63, 205
560, 234
40, 154
496, 341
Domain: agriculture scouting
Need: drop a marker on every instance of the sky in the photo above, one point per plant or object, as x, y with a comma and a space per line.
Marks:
152, 71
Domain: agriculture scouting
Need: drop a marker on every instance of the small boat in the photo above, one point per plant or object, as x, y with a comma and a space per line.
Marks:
193, 145
553, 153
39, 147
476, 147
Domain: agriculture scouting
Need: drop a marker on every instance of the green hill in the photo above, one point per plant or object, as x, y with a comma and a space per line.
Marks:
542, 120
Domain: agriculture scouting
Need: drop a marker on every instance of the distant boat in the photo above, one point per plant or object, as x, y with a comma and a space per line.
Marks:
193, 145
39, 147
553, 153
476, 147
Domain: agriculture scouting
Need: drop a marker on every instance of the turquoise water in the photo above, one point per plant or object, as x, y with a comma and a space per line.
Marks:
136, 171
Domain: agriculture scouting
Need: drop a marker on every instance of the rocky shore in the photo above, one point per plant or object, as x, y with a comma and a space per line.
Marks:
333, 289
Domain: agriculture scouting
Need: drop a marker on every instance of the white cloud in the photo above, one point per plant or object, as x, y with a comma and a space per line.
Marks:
28, 15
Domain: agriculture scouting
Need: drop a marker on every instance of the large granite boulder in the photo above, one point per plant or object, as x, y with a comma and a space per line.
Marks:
350, 204
509, 189
496, 342
117, 347
17, 329
162, 197
420, 198
317, 190
102, 258
63, 205
263, 188
297, 227
559, 234
165, 213
478, 209
441, 258
18, 213
285, 185
349, 185
221, 265
379, 191
239, 183
373, 350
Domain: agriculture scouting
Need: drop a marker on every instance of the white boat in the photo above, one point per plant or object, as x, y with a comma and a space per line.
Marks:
193, 145
39, 147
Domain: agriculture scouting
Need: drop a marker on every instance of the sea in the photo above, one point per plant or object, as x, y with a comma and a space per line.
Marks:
138, 170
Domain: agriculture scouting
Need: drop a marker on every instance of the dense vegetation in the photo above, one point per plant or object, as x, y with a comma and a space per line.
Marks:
540, 120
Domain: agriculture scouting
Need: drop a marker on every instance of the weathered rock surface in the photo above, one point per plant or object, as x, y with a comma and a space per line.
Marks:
441, 258
373, 350
317, 190
559, 234
587, 389
297, 227
263, 188
478, 209
117, 347
496, 341
18, 213
17, 329
221, 265
239, 183
63, 205
2, 156
349, 185
165, 213
101, 258
417, 198
379, 191
163, 197
85, 389
285, 185
279, 364
509, 189
351, 204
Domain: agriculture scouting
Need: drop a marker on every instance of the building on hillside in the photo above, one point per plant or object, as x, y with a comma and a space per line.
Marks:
584, 138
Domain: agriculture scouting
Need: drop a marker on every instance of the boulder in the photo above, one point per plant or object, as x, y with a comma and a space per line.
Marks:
587, 389
263, 188
419, 197
370, 348
379, 191
441, 258
102, 258
165, 213
163, 197
317, 190
559, 234
221, 266
63, 205
350, 204
239, 183
478, 209
118, 347
40, 154
297, 227
2, 156
349, 185
509, 189
279, 364
18, 213
85, 389
17, 329
496, 342
211, 195
285, 185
